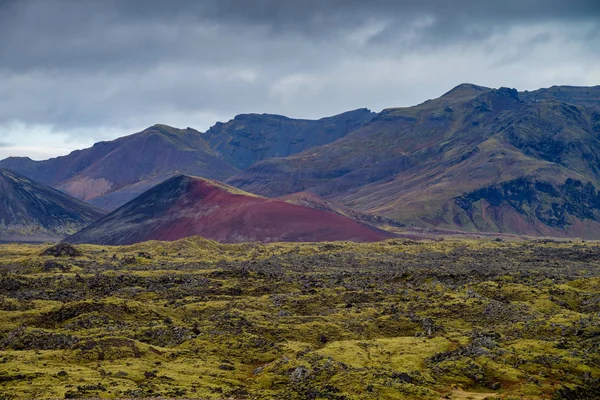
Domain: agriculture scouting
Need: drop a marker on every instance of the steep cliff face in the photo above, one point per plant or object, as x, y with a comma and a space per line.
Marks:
532, 207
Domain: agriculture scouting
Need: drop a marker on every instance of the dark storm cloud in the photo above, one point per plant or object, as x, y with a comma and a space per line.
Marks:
78, 67
97, 34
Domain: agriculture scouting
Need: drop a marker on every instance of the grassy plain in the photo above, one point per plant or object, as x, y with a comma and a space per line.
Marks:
392, 320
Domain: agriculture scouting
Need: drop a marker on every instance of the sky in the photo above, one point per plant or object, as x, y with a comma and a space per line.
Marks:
74, 72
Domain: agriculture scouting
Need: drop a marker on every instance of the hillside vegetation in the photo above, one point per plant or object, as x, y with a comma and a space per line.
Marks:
390, 320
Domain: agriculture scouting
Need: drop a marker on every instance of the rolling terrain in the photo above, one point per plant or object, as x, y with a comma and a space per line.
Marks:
311, 200
186, 206
32, 211
475, 159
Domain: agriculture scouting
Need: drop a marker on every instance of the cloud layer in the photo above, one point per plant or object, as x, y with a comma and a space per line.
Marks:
76, 71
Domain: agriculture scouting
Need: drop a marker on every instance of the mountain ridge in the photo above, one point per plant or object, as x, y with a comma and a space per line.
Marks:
249, 138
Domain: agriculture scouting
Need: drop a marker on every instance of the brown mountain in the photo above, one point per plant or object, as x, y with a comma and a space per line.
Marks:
190, 206
31, 209
474, 159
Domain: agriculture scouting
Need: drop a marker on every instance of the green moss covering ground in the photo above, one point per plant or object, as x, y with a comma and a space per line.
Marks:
392, 320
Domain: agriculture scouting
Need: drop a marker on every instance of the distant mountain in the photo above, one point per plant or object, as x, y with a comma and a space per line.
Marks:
249, 138
190, 206
109, 174
474, 159
30, 209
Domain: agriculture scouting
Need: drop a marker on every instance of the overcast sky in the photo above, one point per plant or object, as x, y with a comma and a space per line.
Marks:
73, 72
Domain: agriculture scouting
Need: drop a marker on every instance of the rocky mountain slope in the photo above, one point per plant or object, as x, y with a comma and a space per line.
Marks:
188, 206
474, 159
28, 208
249, 138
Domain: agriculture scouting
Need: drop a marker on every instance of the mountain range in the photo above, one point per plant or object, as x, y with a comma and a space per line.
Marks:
109, 174
474, 159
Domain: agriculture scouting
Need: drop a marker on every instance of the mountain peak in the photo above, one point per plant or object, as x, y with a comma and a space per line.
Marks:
162, 128
203, 185
499, 99
507, 92
18, 158
249, 138
466, 89
255, 117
